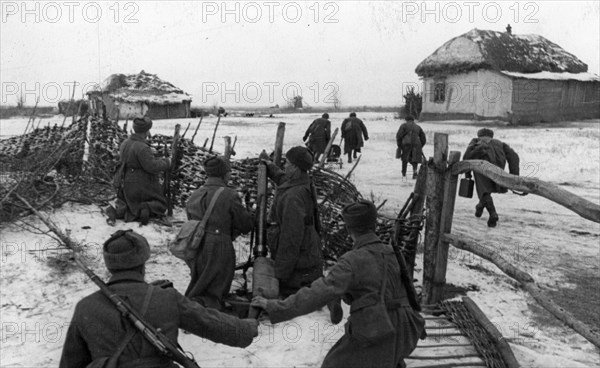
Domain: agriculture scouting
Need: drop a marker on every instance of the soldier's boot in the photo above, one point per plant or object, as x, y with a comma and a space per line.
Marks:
493, 219
111, 212
335, 311
414, 174
479, 209
349, 157
145, 215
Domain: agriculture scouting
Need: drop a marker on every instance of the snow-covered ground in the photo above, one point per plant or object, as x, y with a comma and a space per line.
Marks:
38, 289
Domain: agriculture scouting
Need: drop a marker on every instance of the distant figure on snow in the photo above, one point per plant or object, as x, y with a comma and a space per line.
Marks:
318, 134
410, 140
353, 130
485, 147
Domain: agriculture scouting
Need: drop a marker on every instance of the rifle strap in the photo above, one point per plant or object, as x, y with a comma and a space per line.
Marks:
112, 362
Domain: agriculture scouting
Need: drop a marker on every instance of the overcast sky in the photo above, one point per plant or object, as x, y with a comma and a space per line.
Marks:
257, 53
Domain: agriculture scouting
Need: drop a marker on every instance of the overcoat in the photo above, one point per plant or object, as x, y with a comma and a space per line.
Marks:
97, 327
357, 275
318, 134
214, 265
353, 130
292, 235
140, 183
411, 139
501, 154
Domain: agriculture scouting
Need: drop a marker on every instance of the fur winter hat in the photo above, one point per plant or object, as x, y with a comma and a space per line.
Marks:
301, 157
485, 132
216, 166
325, 116
125, 250
352, 114
142, 125
360, 214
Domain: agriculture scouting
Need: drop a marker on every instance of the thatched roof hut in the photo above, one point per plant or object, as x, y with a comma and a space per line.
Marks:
530, 77
126, 96
502, 51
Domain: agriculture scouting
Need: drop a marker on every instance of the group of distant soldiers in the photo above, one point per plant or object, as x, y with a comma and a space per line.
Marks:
354, 134
382, 328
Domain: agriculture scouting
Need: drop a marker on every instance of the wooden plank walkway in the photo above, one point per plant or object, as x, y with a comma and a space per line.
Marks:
446, 346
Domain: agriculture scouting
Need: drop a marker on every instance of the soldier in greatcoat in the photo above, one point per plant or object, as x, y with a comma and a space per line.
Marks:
361, 277
140, 196
292, 234
98, 331
410, 140
318, 135
353, 130
485, 147
214, 265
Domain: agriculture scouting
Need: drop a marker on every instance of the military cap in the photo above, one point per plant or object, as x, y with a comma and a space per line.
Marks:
325, 116
485, 132
360, 214
142, 125
409, 118
124, 250
352, 114
216, 166
301, 157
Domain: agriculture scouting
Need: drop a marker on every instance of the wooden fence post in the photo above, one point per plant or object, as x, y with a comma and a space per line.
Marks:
449, 199
434, 203
416, 210
279, 144
227, 152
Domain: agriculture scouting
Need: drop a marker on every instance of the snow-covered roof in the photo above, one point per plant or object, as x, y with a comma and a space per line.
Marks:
583, 77
501, 51
142, 87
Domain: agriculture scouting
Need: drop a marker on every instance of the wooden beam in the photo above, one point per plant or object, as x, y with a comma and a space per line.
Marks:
449, 199
328, 148
545, 301
452, 365
212, 141
197, 127
227, 153
497, 338
444, 346
279, 144
527, 283
461, 242
434, 203
584, 208
443, 357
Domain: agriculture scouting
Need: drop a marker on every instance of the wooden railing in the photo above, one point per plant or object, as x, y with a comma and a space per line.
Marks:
441, 185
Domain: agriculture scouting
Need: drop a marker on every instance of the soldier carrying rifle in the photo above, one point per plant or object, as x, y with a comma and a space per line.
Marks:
101, 336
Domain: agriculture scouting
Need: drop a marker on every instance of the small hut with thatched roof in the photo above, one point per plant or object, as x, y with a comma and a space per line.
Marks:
499, 75
127, 96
